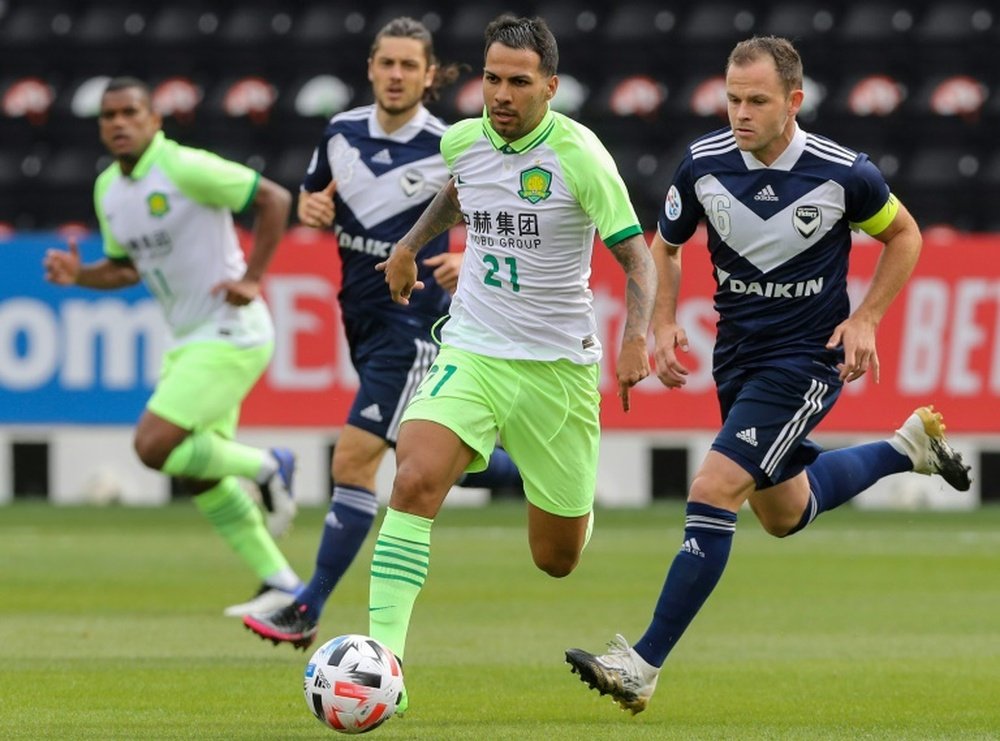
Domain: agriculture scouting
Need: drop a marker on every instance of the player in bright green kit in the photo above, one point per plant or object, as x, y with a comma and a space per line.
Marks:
165, 213
520, 352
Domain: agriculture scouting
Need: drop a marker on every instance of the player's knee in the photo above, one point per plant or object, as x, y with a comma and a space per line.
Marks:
556, 567
417, 491
151, 453
556, 562
715, 492
778, 529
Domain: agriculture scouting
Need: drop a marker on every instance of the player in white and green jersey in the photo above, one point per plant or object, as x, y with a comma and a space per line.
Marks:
520, 352
165, 213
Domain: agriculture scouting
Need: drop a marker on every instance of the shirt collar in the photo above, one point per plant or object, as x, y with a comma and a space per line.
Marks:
148, 157
786, 160
405, 132
529, 141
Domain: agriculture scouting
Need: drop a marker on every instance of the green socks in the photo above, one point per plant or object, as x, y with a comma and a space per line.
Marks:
209, 457
236, 517
399, 568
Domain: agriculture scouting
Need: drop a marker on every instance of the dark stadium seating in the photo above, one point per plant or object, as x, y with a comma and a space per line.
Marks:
912, 82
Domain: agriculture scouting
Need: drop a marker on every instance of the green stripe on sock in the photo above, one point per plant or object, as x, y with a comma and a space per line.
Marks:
238, 520
399, 568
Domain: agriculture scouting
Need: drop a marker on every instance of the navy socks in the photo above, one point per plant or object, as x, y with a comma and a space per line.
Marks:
837, 476
352, 511
696, 569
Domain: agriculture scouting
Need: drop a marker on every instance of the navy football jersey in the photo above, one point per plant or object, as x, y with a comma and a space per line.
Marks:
779, 238
384, 182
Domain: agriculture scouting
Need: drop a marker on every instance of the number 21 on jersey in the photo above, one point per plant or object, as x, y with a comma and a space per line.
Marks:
493, 268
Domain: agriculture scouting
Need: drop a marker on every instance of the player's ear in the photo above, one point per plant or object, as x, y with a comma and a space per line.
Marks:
795, 101
551, 86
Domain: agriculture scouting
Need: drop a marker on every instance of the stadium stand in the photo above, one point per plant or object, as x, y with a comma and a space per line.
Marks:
912, 82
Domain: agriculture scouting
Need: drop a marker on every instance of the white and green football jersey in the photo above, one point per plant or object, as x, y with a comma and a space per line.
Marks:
172, 216
531, 208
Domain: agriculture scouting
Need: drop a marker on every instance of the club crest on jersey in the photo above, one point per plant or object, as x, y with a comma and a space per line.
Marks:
158, 204
807, 220
412, 182
535, 183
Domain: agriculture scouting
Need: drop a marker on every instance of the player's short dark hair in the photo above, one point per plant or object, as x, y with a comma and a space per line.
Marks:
525, 33
786, 59
126, 82
404, 27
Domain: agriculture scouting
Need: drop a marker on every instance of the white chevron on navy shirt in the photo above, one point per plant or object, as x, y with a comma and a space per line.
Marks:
375, 198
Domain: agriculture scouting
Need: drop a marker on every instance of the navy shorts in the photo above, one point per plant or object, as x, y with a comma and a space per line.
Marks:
767, 415
391, 358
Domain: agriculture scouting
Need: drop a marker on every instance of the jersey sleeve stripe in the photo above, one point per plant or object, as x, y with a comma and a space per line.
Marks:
845, 161
829, 146
252, 194
721, 149
622, 235
713, 140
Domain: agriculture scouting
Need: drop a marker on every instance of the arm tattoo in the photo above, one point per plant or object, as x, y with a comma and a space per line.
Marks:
441, 214
640, 287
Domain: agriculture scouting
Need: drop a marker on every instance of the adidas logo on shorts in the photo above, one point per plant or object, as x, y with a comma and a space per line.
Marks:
749, 436
371, 412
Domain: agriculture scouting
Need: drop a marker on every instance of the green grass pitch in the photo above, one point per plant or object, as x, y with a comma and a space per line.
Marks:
866, 626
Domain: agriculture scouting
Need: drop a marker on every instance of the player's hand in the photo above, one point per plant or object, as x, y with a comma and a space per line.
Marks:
857, 335
316, 209
446, 266
669, 369
238, 292
62, 266
633, 366
401, 274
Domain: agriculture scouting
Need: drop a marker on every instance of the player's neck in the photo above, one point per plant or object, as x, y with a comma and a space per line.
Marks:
391, 122
127, 163
777, 146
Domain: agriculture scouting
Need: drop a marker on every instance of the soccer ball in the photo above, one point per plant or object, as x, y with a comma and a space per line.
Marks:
353, 683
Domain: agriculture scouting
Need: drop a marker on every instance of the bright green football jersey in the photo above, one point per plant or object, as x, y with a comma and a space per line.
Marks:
531, 208
172, 216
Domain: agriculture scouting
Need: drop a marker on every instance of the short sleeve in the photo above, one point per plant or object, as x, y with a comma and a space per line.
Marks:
867, 196
318, 173
111, 246
681, 210
209, 179
600, 190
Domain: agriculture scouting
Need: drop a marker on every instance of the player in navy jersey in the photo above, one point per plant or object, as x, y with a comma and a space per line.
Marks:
373, 173
780, 204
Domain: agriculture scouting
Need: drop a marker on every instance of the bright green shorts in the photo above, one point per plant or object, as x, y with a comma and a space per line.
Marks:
547, 415
203, 384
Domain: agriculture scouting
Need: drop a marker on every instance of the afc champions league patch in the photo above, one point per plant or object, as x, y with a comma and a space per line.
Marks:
672, 206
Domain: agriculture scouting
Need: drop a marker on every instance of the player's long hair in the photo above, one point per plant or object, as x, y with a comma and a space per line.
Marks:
408, 28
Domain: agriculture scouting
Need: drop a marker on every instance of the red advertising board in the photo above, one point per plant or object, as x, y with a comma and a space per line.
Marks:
939, 343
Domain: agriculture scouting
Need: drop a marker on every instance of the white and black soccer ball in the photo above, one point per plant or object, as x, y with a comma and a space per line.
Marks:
353, 683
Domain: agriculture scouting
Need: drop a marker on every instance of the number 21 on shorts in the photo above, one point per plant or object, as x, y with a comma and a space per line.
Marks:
435, 384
